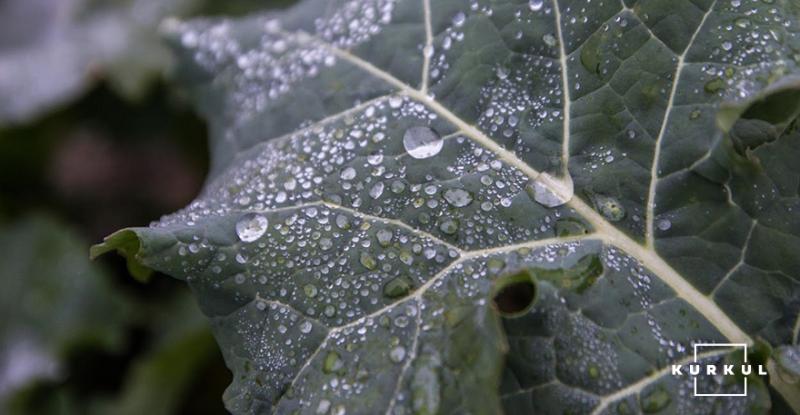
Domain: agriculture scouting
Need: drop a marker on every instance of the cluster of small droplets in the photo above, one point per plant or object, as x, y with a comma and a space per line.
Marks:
212, 44
641, 280
355, 21
349, 360
750, 44
602, 156
508, 102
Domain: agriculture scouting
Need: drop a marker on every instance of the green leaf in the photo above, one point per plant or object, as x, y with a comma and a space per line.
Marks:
379, 165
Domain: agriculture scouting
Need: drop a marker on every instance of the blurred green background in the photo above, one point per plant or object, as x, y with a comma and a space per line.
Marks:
93, 138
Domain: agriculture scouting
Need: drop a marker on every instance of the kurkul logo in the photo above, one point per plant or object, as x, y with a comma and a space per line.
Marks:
697, 368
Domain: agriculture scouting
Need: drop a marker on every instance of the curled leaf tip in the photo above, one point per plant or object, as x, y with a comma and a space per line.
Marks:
127, 243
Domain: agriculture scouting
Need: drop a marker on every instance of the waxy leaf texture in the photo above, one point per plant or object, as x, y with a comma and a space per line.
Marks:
385, 172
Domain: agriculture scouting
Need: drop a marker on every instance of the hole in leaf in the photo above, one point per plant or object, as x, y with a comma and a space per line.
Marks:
514, 294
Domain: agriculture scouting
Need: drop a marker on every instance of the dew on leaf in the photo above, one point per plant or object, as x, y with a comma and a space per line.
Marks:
310, 290
664, 224
384, 237
323, 407
397, 354
535, 5
368, 261
376, 191
398, 187
609, 207
458, 197
570, 227
348, 173
343, 222
449, 226
550, 191
742, 22
422, 142
458, 19
251, 226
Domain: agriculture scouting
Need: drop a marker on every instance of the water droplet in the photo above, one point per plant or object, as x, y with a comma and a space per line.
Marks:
664, 224
305, 327
449, 226
348, 173
398, 187
368, 261
422, 142
375, 159
550, 191
343, 222
570, 227
458, 19
742, 22
395, 101
458, 197
251, 226
384, 237
549, 40
609, 207
310, 290
323, 407
397, 354
536, 5
377, 190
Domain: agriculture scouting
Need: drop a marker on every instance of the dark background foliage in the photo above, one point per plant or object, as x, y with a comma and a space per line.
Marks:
79, 336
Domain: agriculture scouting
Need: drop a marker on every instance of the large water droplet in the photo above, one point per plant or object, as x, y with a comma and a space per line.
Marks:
251, 226
422, 142
550, 191
536, 5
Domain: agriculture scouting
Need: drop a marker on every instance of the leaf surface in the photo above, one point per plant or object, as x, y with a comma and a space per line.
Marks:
378, 167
